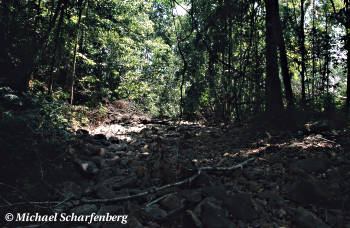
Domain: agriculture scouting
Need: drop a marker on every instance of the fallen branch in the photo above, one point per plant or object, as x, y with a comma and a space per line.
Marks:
154, 190
159, 199
31, 203
141, 194
195, 219
240, 165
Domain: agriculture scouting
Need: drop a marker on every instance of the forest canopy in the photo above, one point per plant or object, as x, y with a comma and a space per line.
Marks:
219, 60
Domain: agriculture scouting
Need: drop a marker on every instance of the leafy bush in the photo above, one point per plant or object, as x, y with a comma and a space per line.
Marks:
33, 121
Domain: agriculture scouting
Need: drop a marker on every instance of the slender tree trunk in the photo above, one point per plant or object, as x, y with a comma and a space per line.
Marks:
313, 50
273, 84
327, 59
303, 53
283, 60
229, 79
5, 14
224, 79
22, 80
45, 40
71, 94
348, 66
53, 61
347, 27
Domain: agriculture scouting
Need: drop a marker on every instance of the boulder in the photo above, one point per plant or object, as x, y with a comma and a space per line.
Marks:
192, 196
309, 191
155, 213
212, 214
171, 202
217, 192
87, 167
100, 137
71, 189
306, 219
241, 206
118, 147
311, 165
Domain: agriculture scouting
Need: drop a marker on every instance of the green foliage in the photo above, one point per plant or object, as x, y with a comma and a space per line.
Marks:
145, 52
38, 122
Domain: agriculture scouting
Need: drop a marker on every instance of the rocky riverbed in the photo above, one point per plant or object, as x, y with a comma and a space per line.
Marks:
149, 170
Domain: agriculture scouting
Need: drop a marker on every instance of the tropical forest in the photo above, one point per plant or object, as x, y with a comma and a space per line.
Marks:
175, 113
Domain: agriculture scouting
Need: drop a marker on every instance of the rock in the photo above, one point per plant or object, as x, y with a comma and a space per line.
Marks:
106, 174
272, 197
336, 218
241, 206
99, 161
140, 171
125, 119
82, 132
71, 150
155, 213
71, 189
105, 193
171, 128
135, 119
116, 183
145, 132
100, 137
311, 165
137, 142
118, 147
145, 149
252, 174
197, 222
102, 152
113, 161
134, 223
113, 140
87, 167
85, 209
193, 196
212, 214
151, 224
306, 219
90, 149
145, 120
309, 191
171, 202
253, 186
214, 134
217, 192
130, 153
124, 162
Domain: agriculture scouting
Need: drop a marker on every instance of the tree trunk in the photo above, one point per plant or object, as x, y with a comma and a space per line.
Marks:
326, 59
273, 84
71, 86
53, 61
303, 53
283, 60
348, 66
313, 51
347, 27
